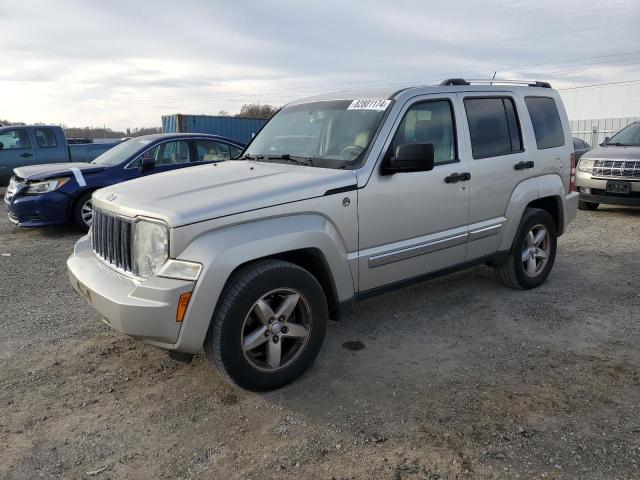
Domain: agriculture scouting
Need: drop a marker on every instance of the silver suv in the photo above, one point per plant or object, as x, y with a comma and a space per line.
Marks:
339, 197
611, 173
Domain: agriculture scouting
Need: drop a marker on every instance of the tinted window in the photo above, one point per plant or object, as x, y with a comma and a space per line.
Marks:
235, 151
210, 151
578, 144
429, 122
46, 138
546, 122
493, 126
15, 139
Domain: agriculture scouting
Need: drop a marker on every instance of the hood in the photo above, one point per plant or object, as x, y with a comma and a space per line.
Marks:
206, 192
49, 170
613, 153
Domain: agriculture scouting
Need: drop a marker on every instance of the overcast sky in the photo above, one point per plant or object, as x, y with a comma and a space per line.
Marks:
126, 63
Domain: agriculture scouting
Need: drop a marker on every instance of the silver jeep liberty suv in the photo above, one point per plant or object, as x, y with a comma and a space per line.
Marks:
339, 197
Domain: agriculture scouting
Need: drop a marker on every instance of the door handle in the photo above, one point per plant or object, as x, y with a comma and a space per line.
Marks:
523, 165
26, 155
457, 177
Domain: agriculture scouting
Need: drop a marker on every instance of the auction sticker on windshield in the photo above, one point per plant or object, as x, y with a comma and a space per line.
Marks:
369, 104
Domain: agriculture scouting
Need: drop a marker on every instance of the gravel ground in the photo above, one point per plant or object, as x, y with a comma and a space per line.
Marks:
457, 378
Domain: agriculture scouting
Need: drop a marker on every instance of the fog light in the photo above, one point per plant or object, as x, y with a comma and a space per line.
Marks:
183, 303
586, 191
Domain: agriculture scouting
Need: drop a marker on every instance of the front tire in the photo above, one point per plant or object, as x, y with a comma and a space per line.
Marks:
582, 205
82, 211
532, 253
269, 325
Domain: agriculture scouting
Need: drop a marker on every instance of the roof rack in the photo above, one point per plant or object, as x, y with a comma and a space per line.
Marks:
462, 81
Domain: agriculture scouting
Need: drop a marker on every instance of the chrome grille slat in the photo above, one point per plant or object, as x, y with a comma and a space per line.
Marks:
616, 168
111, 239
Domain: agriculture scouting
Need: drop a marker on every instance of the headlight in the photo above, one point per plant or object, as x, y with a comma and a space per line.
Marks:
586, 165
151, 247
45, 186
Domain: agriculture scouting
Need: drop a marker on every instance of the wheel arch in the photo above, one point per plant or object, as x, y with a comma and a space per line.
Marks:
545, 192
307, 240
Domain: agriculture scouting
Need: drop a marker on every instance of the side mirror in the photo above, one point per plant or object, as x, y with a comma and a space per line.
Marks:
605, 141
410, 157
1, 145
147, 163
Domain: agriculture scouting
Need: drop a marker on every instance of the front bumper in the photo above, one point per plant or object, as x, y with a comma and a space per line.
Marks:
141, 308
597, 193
38, 210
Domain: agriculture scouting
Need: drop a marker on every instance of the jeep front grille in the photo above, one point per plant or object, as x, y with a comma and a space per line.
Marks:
111, 239
616, 168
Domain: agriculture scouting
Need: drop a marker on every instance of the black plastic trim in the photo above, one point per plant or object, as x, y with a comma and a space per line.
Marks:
346, 188
497, 258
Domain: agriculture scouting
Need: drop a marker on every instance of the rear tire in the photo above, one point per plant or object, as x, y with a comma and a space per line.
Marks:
269, 325
82, 211
582, 205
532, 253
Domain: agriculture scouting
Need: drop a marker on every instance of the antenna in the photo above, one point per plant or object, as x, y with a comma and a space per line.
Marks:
494, 77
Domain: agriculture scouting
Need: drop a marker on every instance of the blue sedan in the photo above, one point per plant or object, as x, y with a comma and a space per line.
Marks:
54, 194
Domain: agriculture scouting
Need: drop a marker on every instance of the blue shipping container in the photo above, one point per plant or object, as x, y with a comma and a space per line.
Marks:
240, 129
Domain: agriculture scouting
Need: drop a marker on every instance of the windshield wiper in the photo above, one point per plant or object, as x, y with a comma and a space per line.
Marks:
290, 158
248, 156
618, 144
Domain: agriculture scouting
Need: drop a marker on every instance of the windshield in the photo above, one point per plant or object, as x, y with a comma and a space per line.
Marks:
627, 136
331, 133
121, 152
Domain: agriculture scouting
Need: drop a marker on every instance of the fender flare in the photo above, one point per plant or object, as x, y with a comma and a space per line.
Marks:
526, 192
222, 251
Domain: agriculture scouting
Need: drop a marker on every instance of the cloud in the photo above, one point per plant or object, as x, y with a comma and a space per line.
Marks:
125, 63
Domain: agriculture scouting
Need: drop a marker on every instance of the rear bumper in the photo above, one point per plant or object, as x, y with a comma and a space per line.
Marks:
570, 206
38, 210
143, 309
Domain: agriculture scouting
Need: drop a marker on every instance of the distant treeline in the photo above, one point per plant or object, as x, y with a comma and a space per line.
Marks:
96, 132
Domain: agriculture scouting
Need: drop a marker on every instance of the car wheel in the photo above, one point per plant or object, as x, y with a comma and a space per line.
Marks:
532, 253
582, 205
268, 326
82, 213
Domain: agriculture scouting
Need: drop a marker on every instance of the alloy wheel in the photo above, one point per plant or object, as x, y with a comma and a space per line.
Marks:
536, 250
276, 329
86, 212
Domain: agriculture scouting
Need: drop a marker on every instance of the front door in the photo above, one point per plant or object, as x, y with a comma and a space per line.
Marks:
415, 223
16, 150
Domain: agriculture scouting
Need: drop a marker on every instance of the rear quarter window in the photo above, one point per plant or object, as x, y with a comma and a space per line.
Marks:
546, 122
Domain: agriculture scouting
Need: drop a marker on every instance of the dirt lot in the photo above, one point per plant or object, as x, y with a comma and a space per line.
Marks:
458, 378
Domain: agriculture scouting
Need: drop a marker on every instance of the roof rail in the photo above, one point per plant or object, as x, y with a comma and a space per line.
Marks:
462, 81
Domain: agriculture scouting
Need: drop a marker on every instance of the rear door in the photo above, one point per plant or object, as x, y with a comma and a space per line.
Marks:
16, 150
499, 162
49, 150
209, 151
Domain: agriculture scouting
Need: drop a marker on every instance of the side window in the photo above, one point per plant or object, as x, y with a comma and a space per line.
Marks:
211, 151
577, 144
172, 153
429, 122
46, 138
235, 151
493, 126
15, 139
546, 122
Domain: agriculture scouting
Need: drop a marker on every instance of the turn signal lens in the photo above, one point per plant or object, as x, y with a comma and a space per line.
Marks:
183, 303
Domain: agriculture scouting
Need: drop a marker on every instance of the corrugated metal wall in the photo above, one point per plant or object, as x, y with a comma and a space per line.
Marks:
595, 131
241, 129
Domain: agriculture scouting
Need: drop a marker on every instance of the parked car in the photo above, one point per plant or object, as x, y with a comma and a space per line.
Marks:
52, 194
34, 145
610, 173
339, 197
580, 147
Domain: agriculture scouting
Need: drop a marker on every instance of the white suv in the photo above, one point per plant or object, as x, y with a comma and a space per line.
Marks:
339, 197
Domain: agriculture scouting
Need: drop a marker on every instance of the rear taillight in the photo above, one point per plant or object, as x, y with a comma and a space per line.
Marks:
572, 172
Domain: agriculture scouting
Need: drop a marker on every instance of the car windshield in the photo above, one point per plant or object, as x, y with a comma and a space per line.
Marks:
627, 136
330, 134
122, 152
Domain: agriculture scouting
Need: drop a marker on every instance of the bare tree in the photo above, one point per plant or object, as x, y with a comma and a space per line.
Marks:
256, 110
